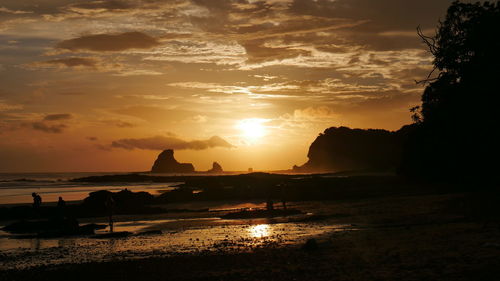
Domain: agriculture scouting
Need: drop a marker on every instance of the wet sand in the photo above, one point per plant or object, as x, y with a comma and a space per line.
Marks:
422, 237
167, 234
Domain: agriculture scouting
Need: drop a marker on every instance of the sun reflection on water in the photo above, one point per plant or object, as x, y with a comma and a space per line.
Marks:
260, 230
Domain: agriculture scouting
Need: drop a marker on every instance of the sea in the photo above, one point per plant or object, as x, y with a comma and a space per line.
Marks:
16, 188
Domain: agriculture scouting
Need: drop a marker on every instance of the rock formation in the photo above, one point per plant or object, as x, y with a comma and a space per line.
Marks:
166, 163
216, 168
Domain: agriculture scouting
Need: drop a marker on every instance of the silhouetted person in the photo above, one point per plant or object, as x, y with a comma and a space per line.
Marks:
61, 206
37, 200
269, 204
283, 194
110, 205
61, 203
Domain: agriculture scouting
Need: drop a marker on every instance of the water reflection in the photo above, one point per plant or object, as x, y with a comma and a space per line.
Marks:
259, 231
185, 238
35, 244
66, 242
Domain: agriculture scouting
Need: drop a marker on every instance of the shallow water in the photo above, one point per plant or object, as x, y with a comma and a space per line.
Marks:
17, 188
219, 236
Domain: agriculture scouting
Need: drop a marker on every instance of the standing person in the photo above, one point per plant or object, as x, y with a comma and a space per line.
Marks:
37, 200
110, 205
269, 204
282, 187
61, 205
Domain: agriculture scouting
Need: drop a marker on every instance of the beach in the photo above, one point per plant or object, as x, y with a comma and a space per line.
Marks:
421, 236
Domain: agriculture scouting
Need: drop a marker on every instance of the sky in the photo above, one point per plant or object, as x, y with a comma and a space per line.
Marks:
106, 85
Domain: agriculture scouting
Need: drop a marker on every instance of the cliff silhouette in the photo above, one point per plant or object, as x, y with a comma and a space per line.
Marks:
346, 149
166, 163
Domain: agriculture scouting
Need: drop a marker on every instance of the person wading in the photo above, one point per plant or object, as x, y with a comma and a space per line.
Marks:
110, 205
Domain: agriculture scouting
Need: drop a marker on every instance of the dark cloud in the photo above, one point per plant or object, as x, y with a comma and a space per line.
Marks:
54, 129
170, 142
92, 138
109, 42
56, 117
374, 25
109, 5
382, 15
390, 24
71, 94
71, 62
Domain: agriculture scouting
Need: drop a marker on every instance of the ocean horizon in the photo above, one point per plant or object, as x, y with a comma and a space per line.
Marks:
16, 188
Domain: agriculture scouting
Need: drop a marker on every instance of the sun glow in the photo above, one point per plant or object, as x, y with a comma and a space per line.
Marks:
259, 231
252, 129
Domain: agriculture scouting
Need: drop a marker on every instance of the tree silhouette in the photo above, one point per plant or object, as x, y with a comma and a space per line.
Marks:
453, 133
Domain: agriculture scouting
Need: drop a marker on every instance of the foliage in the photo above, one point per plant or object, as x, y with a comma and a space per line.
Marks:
452, 133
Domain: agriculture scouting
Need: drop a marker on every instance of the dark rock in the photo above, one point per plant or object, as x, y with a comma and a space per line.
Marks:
216, 168
166, 163
91, 227
310, 245
125, 201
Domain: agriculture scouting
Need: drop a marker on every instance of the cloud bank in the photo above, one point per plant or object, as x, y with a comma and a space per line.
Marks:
70, 62
54, 129
170, 142
109, 42
58, 116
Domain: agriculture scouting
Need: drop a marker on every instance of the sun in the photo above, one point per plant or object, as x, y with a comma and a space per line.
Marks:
252, 128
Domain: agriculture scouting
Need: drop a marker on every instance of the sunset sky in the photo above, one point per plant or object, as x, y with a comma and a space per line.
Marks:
106, 85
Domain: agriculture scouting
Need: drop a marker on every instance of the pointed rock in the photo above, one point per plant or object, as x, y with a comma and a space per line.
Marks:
166, 163
216, 168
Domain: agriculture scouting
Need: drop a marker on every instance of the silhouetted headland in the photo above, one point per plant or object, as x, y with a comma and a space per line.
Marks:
345, 149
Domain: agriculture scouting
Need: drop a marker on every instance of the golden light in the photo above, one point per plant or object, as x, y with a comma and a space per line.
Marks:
252, 128
259, 231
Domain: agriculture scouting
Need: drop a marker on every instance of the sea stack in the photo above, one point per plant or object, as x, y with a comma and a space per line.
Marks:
166, 163
216, 168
